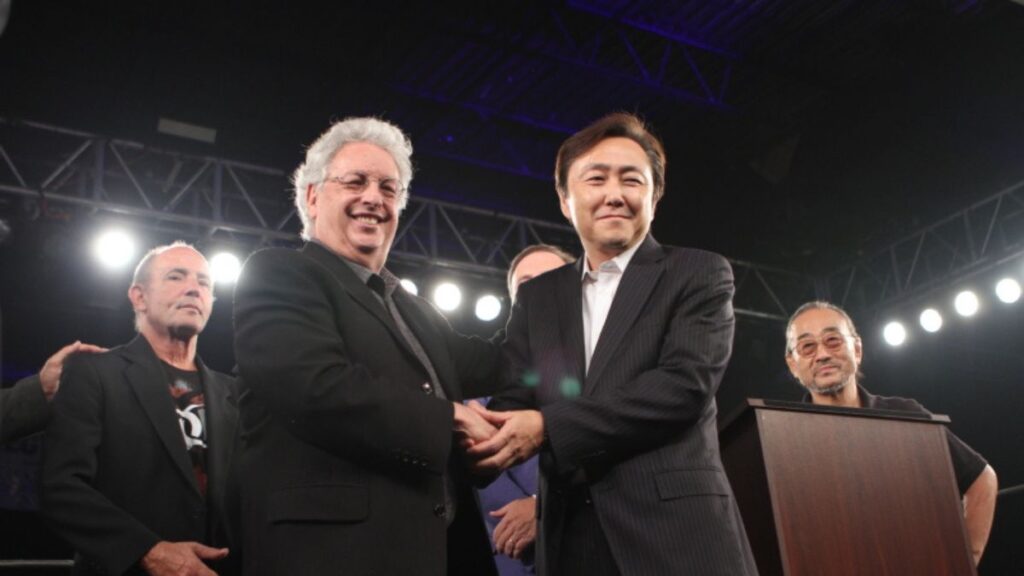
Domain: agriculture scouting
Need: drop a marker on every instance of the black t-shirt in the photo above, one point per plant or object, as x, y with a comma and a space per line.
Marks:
967, 464
187, 391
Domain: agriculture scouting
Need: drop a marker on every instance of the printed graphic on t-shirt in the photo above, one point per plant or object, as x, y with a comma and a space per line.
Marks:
190, 406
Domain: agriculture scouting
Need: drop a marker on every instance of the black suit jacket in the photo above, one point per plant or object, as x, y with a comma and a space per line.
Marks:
116, 475
345, 440
641, 425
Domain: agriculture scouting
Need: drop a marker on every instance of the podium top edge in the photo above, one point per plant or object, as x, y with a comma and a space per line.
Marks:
785, 405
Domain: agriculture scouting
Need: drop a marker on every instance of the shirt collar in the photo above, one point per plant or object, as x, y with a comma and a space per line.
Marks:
390, 280
617, 263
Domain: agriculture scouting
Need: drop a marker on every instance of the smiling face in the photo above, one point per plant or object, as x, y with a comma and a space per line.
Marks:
823, 354
610, 198
176, 297
359, 225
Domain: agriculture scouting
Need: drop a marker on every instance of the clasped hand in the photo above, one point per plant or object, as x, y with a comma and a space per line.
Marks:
496, 441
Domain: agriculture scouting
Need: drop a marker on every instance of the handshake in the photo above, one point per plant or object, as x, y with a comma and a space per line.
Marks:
496, 441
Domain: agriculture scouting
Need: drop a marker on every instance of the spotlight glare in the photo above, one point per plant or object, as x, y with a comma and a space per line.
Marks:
488, 307
894, 334
966, 303
447, 296
931, 320
225, 267
114, 249
410, 286
1008, 290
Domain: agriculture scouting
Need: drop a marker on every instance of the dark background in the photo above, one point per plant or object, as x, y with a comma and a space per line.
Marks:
843, 127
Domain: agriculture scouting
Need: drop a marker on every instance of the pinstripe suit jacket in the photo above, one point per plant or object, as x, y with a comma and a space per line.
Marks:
641, 424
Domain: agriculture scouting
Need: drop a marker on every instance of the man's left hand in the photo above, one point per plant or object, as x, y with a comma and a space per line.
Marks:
518, 526
519, 437
470, 425
49, 376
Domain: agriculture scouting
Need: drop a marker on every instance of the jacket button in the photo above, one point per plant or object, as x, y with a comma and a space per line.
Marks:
439, 510
427, 388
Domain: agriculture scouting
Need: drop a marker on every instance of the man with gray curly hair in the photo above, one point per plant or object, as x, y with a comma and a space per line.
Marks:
352, 387
314, 171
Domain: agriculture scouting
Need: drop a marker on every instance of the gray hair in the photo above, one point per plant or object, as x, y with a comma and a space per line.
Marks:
322, 151
816, 305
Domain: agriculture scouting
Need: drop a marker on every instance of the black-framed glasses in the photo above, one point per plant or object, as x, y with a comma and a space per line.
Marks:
833, 342
358, 182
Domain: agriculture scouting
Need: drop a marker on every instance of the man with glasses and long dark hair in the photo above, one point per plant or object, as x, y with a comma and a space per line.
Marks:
823, 351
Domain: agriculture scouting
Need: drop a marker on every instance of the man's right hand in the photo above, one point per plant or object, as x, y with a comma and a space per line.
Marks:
181, 559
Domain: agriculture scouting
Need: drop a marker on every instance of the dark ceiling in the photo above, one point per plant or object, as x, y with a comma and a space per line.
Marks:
798, 132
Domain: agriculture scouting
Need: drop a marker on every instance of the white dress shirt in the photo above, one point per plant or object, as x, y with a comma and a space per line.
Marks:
599, 289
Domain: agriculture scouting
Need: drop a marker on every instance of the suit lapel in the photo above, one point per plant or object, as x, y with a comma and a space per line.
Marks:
570, 317
149, 383
432, 345
413, 317
359, 291
635, 288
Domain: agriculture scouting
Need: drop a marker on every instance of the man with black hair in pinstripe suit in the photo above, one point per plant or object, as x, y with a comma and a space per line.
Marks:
617, 360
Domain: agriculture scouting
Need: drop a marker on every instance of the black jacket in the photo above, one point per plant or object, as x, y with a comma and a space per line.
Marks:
345, 442
117, 478
641, 423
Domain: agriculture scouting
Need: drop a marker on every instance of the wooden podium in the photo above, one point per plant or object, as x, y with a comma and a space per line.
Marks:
838, 491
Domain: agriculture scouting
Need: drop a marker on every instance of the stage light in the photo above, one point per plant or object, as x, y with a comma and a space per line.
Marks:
225, 268
966, 303
447, 296
1008, 290
487, 308
931, 320
894, 334
114, 248
410, 286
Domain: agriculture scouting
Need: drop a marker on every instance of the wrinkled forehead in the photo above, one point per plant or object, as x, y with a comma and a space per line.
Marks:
818, 321
364, 157
181, 257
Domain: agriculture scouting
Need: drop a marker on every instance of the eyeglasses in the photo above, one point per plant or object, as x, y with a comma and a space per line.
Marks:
833, 342
358, 182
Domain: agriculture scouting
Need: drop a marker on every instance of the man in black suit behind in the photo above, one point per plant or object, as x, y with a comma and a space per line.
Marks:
25, 407
619, 358
351, 387
136, 454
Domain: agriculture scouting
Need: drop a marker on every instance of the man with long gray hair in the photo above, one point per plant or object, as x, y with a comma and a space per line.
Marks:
351, 386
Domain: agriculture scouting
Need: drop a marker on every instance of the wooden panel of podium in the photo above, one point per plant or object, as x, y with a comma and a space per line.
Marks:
837, 491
